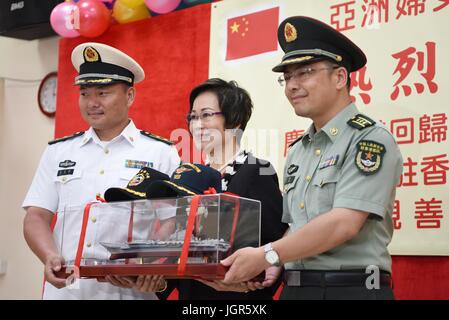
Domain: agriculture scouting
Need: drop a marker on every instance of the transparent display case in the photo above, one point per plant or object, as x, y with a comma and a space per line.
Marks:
175, 237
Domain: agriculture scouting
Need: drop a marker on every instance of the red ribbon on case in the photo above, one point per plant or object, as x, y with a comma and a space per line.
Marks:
79, 252
188, 235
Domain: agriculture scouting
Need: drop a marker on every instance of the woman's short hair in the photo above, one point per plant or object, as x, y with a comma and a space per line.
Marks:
233, 101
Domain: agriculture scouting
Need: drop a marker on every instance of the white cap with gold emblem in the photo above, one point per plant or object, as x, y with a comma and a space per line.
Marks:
100, 64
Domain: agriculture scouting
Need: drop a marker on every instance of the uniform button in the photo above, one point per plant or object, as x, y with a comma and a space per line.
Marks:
131, 139
94, 219
308, 178
89, 244
317, 152
333, 131
101, 171
301, 205
63, 179
106, 151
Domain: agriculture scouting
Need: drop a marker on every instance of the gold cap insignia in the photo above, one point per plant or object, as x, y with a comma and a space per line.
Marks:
290, 32
182, 169
91, 55
136, 180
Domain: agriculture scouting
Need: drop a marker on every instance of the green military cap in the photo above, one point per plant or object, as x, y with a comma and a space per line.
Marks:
306, 40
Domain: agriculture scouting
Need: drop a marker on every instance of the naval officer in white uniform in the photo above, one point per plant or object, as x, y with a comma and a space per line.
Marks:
75, 170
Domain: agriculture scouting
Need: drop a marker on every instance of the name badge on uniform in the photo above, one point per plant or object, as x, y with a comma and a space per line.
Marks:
67, 164
289, 179
137, 164
288, 183
329, 162
65, 172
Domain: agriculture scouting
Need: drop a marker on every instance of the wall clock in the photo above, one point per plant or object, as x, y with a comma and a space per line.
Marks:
46, 96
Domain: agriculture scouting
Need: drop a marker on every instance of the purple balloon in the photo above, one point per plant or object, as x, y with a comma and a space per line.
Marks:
108, 3
162, 6
62, 20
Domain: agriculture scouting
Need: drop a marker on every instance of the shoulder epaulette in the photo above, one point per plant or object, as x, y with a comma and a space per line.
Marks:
360, 122
155, 137
66, 138
291, 144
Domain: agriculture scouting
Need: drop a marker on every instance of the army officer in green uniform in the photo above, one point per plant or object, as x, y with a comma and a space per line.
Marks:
339, 178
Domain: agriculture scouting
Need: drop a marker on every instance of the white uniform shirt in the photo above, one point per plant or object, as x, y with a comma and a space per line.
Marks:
74, 172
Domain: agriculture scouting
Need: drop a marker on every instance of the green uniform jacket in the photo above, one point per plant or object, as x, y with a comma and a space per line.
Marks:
352, 162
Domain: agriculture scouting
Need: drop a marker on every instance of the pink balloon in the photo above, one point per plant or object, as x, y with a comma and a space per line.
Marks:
162, 6
62, 20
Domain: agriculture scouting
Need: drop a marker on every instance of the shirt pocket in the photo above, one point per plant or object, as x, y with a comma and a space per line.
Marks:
324, 187
69, 186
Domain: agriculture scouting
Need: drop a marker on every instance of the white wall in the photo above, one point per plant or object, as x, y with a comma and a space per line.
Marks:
24, 131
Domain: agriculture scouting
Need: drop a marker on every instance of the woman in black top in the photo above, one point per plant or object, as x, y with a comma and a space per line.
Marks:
219, 112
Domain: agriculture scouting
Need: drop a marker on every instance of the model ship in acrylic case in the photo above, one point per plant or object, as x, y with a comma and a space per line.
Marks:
175, 237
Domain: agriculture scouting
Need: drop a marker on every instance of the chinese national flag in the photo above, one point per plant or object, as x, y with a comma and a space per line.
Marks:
252, 34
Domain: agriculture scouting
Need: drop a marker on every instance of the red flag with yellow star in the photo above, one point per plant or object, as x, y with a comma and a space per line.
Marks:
252, 34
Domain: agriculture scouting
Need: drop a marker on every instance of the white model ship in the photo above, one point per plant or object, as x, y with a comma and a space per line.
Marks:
166, 248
